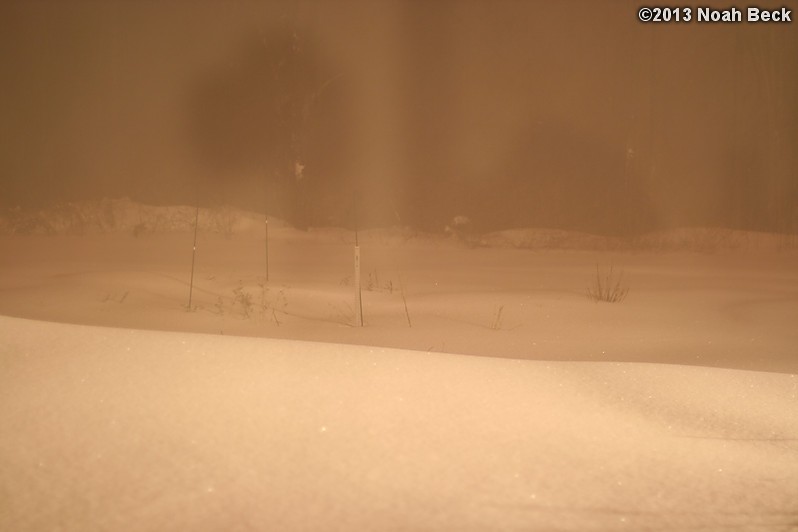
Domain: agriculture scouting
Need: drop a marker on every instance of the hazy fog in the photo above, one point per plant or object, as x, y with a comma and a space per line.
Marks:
548, 114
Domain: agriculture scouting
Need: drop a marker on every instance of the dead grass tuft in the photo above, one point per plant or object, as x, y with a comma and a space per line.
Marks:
608, 287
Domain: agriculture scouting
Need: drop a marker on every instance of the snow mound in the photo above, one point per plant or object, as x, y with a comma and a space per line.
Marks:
694, 239
114, 429
531, 238
704, 239
123, 215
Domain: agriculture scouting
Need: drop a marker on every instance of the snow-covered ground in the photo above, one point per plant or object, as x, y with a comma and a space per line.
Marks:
674, 409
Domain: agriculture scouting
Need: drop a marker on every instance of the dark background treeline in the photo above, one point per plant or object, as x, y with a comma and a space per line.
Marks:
551, 114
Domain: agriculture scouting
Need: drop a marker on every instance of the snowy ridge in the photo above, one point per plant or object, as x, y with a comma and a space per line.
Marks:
696, 239
126, 216
123, 215
142, 430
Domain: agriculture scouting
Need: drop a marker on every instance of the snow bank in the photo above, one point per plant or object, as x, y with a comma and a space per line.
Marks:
123, 215
549, 239
694, 239
115, 429
703, 239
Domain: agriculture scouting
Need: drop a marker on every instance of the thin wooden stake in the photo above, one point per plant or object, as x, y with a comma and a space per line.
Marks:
267, 248
358, 293
404, 300
358, 297
193, 258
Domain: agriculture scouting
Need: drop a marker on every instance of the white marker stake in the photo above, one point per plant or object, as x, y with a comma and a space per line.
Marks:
358, 300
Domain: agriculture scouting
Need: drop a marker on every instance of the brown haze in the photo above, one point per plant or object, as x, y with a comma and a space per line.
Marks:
546, 114
609, 344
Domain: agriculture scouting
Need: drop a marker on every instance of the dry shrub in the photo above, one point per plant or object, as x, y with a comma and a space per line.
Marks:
608, 287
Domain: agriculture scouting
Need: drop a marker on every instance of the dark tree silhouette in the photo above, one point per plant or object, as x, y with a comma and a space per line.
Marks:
267, 112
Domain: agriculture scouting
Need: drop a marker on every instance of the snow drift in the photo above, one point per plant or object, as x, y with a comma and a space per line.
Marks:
112, 429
